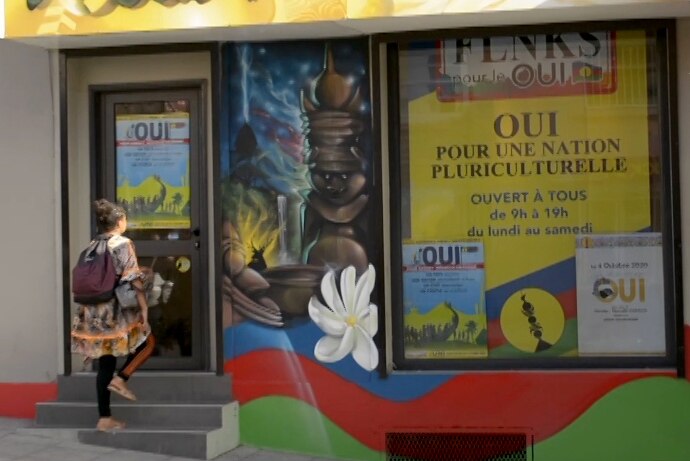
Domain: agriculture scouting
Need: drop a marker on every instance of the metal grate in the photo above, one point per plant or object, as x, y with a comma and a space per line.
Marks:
457, 446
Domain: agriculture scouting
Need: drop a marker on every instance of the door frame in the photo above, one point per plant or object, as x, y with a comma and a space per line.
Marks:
100, 184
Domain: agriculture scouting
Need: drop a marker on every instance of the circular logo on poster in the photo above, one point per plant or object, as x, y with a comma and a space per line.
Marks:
532, 320
183, 264
604, 290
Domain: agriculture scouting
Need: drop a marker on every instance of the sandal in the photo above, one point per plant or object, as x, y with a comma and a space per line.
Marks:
121, 389
109, 424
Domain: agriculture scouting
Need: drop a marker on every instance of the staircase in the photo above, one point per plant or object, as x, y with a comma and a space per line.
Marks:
181, 414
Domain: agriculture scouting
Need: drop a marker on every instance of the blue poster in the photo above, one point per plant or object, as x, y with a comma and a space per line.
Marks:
153, 169
443, 296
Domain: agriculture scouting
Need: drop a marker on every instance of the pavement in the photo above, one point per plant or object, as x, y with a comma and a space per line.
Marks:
20, 442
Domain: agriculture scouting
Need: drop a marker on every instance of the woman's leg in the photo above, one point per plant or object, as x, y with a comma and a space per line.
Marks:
134, 360
106, 368
137, 358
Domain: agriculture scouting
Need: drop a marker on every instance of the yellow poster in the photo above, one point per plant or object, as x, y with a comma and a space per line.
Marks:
152, 163
528, 173
526, 143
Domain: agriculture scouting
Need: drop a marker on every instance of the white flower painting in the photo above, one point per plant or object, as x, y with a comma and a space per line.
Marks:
349, 320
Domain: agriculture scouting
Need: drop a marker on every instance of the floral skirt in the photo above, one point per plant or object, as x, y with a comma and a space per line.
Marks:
106, 329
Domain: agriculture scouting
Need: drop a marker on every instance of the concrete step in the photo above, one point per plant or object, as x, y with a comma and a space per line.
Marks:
136, 414
68, 434
200, 443
153, 386
182, 414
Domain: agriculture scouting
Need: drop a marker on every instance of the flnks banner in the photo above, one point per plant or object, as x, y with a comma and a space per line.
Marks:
527, 66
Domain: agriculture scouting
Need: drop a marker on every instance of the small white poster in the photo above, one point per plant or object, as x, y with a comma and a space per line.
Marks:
620, 295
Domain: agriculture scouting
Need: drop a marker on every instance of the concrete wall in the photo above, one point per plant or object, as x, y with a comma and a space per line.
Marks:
30, 215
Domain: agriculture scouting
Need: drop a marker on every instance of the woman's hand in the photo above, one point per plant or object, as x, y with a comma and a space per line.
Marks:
145, 320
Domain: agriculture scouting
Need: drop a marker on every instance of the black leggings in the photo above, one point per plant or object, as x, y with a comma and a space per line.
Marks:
106, 369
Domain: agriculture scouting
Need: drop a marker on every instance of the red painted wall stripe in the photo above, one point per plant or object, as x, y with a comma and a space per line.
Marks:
542, 402
18, 400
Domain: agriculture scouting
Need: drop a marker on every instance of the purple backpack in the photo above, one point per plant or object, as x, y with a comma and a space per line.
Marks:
94, 277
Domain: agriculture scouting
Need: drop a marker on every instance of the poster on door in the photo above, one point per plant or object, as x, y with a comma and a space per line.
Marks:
620, 295
443, 298
152, 163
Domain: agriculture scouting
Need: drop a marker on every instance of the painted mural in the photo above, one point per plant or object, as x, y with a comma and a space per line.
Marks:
296, 194
299, 293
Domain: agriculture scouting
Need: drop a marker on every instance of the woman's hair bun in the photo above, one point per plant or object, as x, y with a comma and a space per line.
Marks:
108, 214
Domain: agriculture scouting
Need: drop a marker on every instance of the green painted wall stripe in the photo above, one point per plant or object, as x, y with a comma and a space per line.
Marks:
287, 424
644, 420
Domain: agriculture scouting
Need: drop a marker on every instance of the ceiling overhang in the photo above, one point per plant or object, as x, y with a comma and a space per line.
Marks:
366, 26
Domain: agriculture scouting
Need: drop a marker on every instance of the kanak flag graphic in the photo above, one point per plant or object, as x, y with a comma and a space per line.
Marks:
584, 72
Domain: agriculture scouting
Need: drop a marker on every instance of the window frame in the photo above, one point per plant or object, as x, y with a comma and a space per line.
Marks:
386, 49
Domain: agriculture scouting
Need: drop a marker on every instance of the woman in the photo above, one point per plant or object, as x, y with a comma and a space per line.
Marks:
108, 330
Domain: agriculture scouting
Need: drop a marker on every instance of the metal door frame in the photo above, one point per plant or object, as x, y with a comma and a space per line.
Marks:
102, 155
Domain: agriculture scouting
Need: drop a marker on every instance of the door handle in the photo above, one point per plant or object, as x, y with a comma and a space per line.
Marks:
196, 232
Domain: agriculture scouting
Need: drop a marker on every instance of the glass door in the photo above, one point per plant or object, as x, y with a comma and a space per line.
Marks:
151, 163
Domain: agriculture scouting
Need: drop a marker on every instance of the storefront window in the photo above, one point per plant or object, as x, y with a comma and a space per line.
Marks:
533, 223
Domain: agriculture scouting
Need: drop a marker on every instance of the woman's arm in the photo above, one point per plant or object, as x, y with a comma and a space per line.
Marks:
131, 272
141, 299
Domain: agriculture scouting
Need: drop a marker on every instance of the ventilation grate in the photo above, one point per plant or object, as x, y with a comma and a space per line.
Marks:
456, 446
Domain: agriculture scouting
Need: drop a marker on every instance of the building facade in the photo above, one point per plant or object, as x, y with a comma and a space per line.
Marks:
405, 229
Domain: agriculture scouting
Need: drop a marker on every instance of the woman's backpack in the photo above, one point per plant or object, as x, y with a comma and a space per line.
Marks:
94, 277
